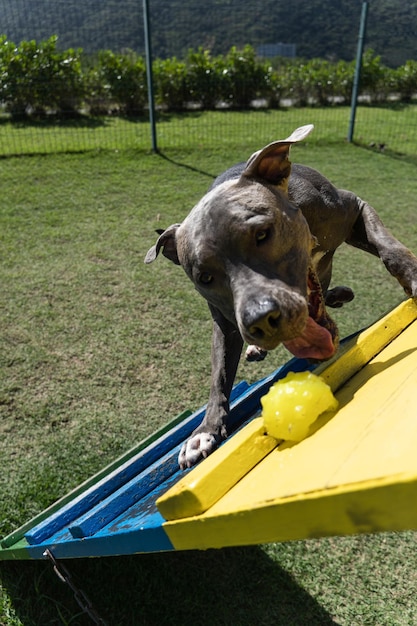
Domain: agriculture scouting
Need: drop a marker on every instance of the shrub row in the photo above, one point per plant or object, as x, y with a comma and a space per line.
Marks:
37, 79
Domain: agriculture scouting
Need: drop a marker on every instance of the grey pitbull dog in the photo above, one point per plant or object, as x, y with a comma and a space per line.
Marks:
259, 248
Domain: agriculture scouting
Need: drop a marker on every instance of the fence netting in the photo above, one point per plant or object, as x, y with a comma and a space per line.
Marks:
176, 27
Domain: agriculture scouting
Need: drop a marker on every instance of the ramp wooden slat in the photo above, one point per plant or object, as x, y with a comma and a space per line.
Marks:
357, 472
114, 505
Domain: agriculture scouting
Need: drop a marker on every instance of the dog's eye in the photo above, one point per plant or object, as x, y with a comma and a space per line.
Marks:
262, 236
205, 278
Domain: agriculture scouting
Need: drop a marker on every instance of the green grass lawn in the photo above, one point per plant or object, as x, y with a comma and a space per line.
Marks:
97, 350
394, 128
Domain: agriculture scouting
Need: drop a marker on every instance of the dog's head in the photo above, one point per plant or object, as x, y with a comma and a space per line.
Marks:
247, 250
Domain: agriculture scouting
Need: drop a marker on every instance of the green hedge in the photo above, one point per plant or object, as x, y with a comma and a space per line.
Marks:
37, 79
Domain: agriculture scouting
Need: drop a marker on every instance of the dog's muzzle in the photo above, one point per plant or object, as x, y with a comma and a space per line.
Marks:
304, 327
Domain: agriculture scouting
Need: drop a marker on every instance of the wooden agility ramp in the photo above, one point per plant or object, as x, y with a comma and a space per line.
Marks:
355, 473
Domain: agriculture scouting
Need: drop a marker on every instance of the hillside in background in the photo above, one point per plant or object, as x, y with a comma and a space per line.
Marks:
319, 28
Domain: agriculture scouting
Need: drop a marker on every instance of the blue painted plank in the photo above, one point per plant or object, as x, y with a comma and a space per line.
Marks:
122, 499
88, 499
92, 496
151, 537
156, 474
138, 529
138, 515
144, 533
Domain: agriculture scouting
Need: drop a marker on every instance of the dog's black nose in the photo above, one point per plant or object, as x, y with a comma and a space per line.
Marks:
263, 320
265, 326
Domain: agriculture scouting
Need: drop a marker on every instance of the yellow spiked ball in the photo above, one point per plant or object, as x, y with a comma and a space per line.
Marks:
294, 403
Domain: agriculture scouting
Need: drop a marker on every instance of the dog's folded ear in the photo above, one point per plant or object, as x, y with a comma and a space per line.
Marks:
271, 163
167, 242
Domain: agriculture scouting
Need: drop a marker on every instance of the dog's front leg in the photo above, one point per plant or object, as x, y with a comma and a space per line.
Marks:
370, 234
226, 349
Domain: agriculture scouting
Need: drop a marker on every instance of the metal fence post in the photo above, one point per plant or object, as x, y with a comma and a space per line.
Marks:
356, 78
149, 74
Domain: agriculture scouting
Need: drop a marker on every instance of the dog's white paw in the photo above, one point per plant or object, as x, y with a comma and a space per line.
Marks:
197, 447
254, 353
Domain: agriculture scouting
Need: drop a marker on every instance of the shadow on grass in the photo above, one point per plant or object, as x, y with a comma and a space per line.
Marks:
75, 121
191, 168
239, 586
388, 152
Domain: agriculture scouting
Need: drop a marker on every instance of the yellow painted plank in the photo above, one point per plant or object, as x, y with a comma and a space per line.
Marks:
210, 480
364, 508
350, 358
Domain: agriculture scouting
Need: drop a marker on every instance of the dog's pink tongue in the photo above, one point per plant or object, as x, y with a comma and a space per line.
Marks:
315, 342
